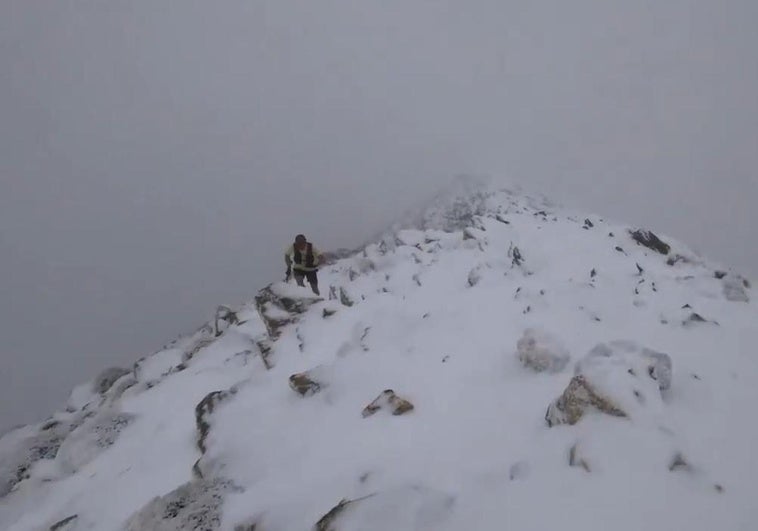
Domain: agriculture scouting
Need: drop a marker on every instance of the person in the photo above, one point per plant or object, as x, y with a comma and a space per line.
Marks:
302, 260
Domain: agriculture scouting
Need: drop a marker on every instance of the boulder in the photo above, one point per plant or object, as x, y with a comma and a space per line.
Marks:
194, 506
619, 379
541, 352
648, 239
305, 383
390, 401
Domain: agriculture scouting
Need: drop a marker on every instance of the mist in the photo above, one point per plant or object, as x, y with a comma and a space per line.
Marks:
157, 157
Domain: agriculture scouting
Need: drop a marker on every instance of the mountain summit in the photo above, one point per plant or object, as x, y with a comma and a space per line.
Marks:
496, 362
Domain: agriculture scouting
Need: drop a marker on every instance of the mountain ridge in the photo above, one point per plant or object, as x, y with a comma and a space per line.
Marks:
417, 393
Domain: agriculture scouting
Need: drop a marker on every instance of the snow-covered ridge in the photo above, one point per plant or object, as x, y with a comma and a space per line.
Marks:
494, 362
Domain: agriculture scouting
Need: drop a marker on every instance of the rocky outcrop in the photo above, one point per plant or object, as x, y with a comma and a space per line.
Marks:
541, 352
203, 412
17, 457
92, 438
390, 401
107, 378
280, 305
619, 379
194, 506
648, 239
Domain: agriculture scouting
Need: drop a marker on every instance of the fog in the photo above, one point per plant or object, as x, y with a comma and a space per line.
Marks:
157, 157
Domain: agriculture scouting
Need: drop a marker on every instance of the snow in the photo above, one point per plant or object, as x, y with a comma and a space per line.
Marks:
475, 452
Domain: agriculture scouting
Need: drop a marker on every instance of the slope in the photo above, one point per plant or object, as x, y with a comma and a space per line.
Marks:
490, 308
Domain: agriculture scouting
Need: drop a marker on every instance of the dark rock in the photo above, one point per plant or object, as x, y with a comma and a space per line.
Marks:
648, 239
619, 249
107, 378
328, 312
576, 461
679, 463
719, 274
64, 524
502, 219
588, 223
203, 412
389, 400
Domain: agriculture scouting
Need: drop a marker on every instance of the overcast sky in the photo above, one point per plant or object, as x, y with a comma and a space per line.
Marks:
157, 156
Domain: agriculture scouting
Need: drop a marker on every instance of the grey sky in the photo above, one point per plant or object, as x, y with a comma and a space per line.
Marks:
156, 157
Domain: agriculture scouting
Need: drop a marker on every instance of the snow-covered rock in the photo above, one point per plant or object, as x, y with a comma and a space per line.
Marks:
194, 506
541, 351
618, 379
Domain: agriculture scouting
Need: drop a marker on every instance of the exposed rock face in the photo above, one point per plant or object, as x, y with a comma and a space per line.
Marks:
648, 239
388, 400
194, 506
618, 379
280, 305
411, 507
541, 352
203, 412
107, 378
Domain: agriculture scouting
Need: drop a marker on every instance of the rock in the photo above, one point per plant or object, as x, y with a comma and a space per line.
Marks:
225, 318
328, 312
575, 460
588, 224
304, 383
345, 298
204, 410
280, 305
90, 439
619, 378
541, 352
107, 378
18, 456
65, 524
734, 288
648, 239
578, 397
389, 400
196, 347
194, 506
474, 276
678, 462
411, 507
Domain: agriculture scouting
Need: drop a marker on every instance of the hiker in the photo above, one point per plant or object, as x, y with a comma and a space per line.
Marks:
302, 259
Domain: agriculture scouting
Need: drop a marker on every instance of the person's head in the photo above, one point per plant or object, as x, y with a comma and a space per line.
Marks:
300, 241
